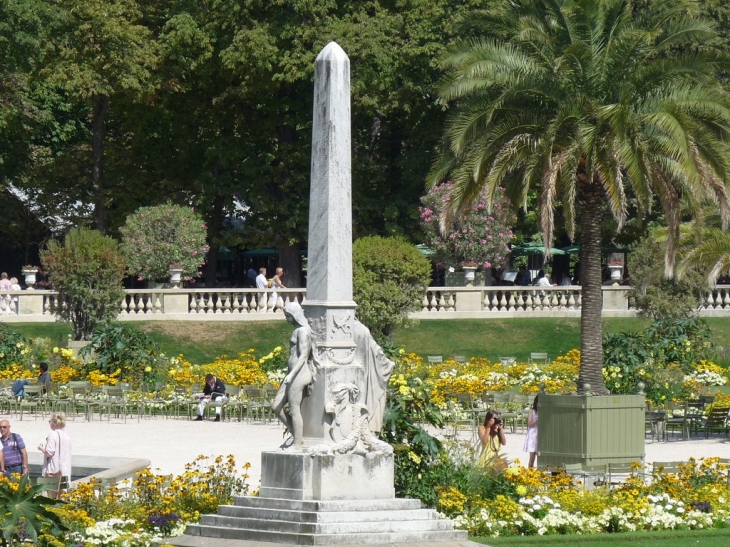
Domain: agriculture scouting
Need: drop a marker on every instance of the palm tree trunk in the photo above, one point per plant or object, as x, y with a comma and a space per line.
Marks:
591, 199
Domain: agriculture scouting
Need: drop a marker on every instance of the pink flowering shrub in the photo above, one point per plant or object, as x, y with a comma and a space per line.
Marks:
155, 239
479, 239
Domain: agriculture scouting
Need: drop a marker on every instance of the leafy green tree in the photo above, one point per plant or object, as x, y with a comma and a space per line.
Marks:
389, 278
655, 295
156, 239
587, 100
99, 50
87, 271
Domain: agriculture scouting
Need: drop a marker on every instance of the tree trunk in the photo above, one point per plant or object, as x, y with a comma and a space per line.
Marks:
289, 260
214, 231
100, 107
591, 199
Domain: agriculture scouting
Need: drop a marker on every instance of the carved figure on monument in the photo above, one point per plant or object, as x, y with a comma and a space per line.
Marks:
349, 430
378, 369
302, 370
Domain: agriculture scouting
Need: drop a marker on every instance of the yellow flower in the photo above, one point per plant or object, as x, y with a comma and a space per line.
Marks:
521, 490
55, 350
148, 369
401, 351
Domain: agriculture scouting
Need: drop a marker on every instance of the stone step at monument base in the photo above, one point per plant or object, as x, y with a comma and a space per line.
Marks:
198, 541
331, 522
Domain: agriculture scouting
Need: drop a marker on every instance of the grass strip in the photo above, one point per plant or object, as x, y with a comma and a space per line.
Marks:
714, 537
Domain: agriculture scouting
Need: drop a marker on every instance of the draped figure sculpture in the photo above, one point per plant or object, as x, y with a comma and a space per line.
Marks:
378, 369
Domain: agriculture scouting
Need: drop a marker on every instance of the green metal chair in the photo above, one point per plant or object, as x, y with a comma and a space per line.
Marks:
618, 472
595, 472
114, 402
33, 401
717, 420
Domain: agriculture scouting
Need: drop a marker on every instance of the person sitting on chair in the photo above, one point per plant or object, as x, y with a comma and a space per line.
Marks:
214, 389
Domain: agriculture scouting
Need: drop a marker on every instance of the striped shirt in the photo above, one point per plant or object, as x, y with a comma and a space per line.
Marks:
11, 450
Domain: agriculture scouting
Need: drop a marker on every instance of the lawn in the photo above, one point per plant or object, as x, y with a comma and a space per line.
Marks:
203, 341
684, 538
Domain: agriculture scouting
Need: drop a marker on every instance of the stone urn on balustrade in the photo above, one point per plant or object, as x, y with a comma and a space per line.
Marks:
617, 271
30, 277
175, 277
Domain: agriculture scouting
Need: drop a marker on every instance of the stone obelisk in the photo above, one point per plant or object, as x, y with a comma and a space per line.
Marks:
335, 487
329, 306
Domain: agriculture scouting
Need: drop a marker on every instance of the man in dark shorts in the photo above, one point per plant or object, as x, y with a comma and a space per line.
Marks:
15, 457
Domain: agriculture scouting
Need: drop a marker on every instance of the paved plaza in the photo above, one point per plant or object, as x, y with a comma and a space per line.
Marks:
171, 443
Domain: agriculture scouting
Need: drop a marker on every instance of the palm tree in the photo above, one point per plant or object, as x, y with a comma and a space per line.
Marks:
586, 100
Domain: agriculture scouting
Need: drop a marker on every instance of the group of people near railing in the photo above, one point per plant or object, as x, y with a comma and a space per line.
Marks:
9, 303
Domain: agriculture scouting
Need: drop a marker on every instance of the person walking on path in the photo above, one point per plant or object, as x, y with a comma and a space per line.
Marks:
277, 279
531, 437
15, 456
261, 281
214, 389
57, 450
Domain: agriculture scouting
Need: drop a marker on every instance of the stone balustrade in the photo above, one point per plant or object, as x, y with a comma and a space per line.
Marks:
257, 305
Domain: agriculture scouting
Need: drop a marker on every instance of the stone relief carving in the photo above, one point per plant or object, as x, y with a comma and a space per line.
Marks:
341, 323
349, 430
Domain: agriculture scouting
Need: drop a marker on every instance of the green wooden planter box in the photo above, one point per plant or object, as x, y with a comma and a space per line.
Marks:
590, 430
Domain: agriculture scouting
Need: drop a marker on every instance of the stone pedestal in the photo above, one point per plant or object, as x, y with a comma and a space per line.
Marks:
297, 476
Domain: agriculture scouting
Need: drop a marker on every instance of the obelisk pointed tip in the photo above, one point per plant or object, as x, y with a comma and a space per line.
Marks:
332, 52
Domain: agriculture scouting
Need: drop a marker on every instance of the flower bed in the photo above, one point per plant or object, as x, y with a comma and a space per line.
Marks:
535, 503
133, 513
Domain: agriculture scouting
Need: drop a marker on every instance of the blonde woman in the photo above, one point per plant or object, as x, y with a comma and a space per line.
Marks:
57, 449
277, 284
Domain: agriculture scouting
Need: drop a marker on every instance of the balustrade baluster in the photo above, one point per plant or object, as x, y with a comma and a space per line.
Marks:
157, 302
571, 300
451, 304
424, 302
503, 301
434, 303
520, 301
218, 301
442, 301
124, 306
487, 301
511, 301
243, 303
710, 301
725, 298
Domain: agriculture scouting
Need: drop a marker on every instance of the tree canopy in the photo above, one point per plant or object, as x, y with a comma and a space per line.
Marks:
590, 102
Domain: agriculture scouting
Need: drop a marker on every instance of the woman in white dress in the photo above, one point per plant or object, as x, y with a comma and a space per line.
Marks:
57, 449
531, 438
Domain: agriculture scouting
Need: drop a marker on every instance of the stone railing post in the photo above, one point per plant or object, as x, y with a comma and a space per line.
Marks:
469, 300
175, 301
615, 301
30, 303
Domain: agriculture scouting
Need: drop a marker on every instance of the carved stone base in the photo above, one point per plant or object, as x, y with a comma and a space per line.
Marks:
298, 476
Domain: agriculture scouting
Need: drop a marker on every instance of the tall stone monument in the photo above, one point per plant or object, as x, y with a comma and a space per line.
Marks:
333, 482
